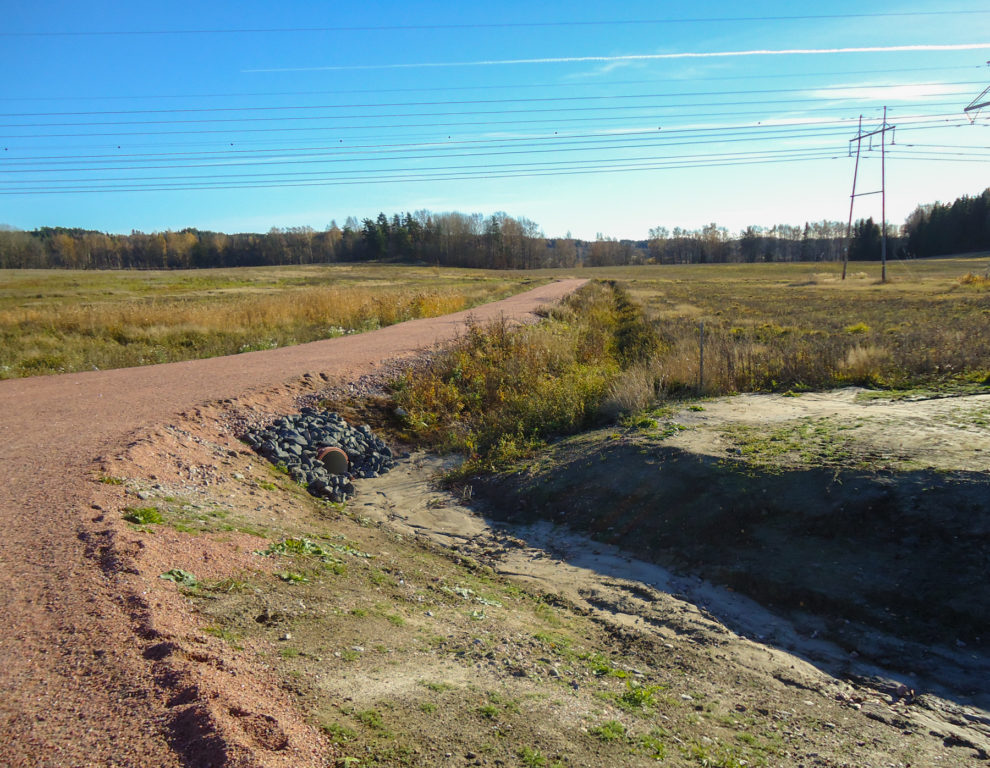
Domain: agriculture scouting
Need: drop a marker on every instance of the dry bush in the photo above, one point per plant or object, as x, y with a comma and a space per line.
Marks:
634, 389
501, 390
977, 282
865, 365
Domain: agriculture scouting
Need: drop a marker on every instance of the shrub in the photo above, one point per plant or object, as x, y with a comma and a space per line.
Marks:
501, 390
143, 515
865, 364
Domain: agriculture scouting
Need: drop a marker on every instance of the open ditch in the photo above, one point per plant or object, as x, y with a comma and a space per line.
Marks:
407, 627
862, 522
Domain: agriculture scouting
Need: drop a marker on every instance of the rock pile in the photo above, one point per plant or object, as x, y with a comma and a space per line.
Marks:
296, 441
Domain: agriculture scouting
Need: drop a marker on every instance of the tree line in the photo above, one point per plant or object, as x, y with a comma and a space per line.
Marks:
446, 239
498, 241
940, 229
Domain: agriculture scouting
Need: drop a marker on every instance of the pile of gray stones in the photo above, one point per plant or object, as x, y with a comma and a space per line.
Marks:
295, 441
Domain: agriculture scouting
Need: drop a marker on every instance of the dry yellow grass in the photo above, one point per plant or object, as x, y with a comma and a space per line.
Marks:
774, 327
54, 322
979, 282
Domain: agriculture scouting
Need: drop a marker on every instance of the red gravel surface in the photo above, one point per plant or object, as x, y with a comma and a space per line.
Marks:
78, 679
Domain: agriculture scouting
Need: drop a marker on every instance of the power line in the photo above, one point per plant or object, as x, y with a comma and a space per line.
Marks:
312, 118
707, 134
457, 102
705, 160
822, 151
805, 152
365, 157
460, 124
471, 124
801, 129
405, 179
496, 25
509, 86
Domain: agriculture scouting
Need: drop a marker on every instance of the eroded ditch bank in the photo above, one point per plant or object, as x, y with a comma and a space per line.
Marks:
891, 568
888, 566
642, 595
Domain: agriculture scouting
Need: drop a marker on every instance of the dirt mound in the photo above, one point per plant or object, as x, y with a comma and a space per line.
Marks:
889, 564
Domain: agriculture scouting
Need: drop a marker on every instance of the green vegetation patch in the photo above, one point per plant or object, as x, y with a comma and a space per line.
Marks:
143, 515
501, 391
806, 442
609, 731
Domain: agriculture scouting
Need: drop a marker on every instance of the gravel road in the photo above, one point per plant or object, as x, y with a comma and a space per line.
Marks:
74, 687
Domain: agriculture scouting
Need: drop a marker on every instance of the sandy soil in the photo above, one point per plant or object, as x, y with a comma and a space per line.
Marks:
942, 433
85, 676
653, 601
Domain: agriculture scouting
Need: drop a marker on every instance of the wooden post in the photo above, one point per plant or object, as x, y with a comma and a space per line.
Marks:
852, 199
701, 357
883, 198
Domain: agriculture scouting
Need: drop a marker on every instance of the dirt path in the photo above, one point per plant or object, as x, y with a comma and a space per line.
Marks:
77, 682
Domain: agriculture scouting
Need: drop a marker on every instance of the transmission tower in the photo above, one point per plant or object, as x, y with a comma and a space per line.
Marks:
860, 136
972, 110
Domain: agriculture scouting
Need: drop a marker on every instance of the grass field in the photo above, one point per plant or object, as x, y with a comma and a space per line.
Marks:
60, 321
774, 327
768, 327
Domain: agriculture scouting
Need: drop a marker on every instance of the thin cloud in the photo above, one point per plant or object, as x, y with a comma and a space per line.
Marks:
633, 57
876, 93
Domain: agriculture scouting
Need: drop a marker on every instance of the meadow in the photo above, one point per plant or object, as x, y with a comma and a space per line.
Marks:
59, 321
779, 327
767, 327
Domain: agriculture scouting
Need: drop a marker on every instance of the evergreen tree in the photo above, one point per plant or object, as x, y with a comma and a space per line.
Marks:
865, 244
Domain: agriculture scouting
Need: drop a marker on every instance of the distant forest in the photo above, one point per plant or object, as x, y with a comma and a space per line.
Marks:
497, 242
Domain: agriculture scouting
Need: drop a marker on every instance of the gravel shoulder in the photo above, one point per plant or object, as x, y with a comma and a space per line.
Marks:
80, 650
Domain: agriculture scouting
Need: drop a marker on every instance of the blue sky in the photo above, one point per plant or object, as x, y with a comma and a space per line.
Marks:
582, 117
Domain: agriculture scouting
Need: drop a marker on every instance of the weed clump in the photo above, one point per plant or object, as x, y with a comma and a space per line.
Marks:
143, 515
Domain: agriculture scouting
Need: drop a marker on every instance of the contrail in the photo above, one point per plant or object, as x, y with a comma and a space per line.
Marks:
636, 57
